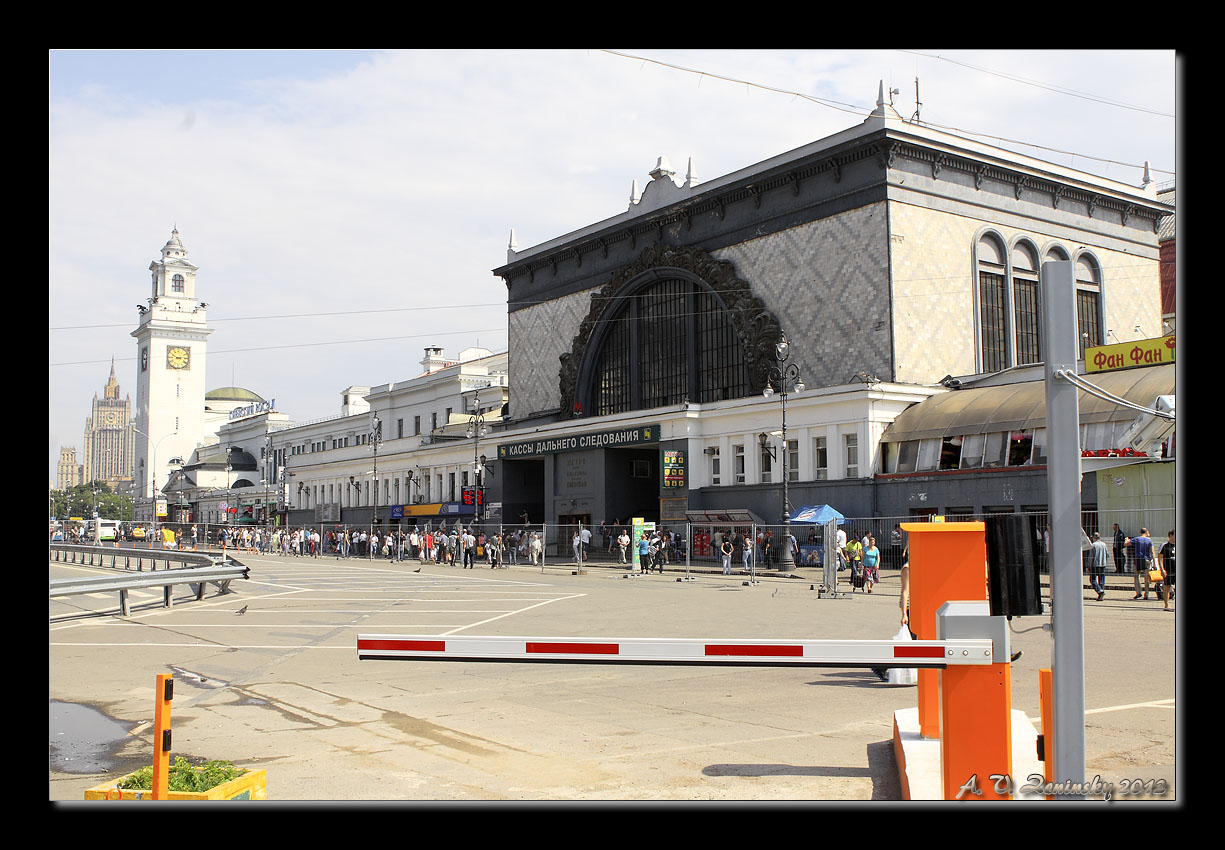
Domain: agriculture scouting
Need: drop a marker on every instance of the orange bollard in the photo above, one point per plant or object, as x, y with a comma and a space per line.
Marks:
161, 736
1046, 691
948, 560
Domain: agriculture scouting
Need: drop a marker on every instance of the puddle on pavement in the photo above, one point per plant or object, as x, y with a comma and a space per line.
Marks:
84, 740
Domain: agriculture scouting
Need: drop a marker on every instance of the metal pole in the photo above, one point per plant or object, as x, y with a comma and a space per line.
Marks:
1063, 482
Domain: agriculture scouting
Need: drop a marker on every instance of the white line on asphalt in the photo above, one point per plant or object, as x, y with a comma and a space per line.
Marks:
1158, 703
510, 613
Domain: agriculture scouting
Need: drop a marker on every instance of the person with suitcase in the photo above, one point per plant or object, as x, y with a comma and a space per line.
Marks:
854, 557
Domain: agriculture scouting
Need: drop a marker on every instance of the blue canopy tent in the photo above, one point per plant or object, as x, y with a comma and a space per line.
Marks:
812, 552
817, 515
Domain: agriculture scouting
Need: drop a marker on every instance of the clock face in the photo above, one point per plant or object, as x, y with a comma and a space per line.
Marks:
178, 358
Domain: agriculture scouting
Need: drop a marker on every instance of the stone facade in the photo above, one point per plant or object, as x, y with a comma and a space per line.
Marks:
827, 282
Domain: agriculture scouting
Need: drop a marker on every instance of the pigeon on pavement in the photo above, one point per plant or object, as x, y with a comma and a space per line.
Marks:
241, 610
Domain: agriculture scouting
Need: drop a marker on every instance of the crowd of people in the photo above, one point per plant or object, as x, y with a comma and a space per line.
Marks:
1152, 568
457, 546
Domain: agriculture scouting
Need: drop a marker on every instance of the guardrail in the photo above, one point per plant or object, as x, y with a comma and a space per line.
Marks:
206, 571
118, 557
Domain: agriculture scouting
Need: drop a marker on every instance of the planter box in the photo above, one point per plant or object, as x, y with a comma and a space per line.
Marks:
252, 785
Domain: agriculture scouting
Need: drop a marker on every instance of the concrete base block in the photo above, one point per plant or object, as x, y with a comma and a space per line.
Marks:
918, 758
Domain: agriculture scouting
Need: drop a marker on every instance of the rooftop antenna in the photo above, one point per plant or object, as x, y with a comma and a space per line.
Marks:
917, 102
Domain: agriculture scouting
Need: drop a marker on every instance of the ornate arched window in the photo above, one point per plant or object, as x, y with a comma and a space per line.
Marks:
675, 326
665, 343
178, 284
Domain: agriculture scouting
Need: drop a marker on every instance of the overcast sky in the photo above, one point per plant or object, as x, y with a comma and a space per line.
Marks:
346, 208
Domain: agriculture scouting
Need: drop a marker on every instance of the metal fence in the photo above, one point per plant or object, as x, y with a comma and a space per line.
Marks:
685, 545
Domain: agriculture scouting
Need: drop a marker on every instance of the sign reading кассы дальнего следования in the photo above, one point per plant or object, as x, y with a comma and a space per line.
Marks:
637, 435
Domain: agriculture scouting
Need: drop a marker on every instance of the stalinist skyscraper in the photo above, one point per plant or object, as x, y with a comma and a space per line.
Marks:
109, 438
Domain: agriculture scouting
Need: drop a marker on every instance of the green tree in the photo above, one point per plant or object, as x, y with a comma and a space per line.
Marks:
80, 500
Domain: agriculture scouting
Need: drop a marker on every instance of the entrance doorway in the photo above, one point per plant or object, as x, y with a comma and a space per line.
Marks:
567, 526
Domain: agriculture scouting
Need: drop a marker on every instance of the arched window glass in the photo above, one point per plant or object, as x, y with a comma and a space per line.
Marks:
669, 342
1025, 303
178, 283
1088, 303
992, 305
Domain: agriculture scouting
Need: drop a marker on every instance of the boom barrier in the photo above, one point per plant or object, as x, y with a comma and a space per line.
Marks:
801, 653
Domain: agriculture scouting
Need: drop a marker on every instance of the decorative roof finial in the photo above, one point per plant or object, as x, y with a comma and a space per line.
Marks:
691, 179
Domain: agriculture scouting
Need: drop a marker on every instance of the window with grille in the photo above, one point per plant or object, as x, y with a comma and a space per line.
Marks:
991, 317
670, 342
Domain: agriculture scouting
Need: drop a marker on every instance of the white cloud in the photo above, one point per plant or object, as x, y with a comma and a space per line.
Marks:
395, 183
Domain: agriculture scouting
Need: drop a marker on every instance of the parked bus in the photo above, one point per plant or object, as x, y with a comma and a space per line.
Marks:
105, 530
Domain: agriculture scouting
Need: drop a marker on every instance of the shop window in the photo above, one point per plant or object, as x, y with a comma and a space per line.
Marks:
1039, 458
1020, 448
950, 453
908, 456
994, 451
929, 455
972, 450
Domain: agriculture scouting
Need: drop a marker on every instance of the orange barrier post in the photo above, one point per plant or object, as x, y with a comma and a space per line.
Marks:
1046, 754
976, 716
161, 736
948, 561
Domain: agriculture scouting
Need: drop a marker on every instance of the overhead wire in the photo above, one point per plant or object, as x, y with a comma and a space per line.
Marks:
863, 111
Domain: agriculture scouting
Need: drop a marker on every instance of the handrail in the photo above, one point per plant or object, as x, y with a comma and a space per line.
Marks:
72, 586
206, 571
131, 557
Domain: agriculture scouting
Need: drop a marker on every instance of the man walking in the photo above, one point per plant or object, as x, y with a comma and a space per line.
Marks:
1097, 566
1142, 554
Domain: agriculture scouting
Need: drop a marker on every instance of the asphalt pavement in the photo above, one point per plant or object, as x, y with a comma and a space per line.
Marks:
280, 687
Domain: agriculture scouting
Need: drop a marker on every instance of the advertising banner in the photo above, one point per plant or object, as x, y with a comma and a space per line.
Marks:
1125, 355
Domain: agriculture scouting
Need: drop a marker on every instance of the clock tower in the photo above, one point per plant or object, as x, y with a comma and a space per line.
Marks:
170, 357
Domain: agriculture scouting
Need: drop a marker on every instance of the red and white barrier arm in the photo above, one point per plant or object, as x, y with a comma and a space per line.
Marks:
803, 653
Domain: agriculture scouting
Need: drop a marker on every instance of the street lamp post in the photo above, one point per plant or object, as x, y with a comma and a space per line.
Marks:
476, 430
269, 471
785, 374
376, 439
229, 466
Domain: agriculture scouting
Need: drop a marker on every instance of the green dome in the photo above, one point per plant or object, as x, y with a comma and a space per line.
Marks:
231, 394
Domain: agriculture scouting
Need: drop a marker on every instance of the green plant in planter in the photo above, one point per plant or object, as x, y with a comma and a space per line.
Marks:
183, 776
